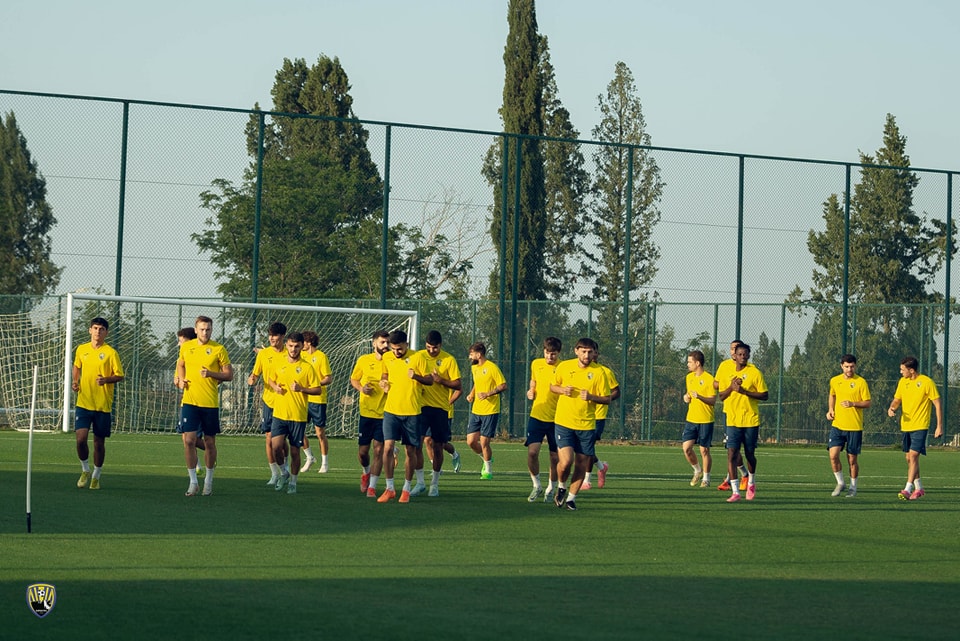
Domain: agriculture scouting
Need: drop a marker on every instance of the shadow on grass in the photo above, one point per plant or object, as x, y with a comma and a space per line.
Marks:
536, 607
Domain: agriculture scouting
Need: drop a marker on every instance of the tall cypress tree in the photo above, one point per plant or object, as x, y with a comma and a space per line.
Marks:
521, 113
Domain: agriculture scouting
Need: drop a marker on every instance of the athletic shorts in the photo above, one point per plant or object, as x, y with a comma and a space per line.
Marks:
99, 421
852, 439
915, 441
598, 429
292, 430
435, 424
267, 423
194, 418
405, 429
702, 433
486, 424
371, 429
580, 440
317, 414
537, 430
746, 436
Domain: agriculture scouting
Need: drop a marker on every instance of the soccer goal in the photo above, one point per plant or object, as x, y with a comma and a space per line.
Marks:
143, 331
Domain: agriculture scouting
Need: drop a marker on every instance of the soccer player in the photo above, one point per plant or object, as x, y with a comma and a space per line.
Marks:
403, 381
96, 369
293, 381
581, 385
540, 422
601, 423
266, 360
488, 385
185, 334
849, 396
365, 378
915, 393
700, 398
317, 404
742, 395
203, 364
724, 373
434, 421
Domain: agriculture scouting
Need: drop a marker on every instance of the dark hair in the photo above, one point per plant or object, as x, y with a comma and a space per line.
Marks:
552, 344
188, 333
296, 337
848, 358
311, 338
397, 337
743, 345
277, 329
479, 348
203, 319
696, 355
102, 322
434, 338
589, 343
735, 343
911, 362
380, 333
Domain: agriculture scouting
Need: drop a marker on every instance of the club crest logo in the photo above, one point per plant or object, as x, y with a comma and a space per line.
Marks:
101, 356
298, 370
209, 351
41, 597
439, 362
590, 376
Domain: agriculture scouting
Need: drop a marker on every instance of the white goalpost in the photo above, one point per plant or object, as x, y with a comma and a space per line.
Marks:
143, 330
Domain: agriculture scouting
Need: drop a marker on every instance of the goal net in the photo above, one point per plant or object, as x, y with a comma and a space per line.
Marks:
143, 331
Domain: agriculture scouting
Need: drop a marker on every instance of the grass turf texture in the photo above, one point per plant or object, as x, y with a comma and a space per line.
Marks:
647, 556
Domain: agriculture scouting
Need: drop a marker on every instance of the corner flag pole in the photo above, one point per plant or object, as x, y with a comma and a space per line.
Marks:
33, 407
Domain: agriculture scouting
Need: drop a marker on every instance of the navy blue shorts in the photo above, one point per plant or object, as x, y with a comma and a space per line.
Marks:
852, 439
317, 414
486, 424
194, 418
292, 430
371, 429
99, 421
537, 430
267, 423
915, 441
405, 429
598, 430
746, 436
435, 423
702, 433
580, 440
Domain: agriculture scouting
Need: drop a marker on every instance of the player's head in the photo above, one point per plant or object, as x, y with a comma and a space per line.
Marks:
204, 328
185, 334
551, 349
586, 351
734, 344
102, 322
398, 342
433, 343
310, 338
909, 366
695, 359
275, 334
848, 363
741, 354
294, 344
98, 329
381, 343
477, 353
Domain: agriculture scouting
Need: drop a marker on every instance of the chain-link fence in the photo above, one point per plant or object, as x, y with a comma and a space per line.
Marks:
126, 180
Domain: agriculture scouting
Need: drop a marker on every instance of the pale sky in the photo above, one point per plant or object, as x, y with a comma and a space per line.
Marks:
812, 79
800, 80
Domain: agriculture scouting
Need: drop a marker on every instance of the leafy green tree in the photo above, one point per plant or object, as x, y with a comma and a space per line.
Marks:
321, 197
622, 123
26, 219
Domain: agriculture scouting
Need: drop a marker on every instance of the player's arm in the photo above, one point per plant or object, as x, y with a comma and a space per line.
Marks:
499, 389
225, 374
831, 406
456, 394
360, 387
107, 380
615, 393
181, 376
76, 379
709, 400
326, 380
939, 409
894, 404
532, 389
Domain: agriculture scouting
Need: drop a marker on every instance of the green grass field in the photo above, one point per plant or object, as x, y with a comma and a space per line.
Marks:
646, 557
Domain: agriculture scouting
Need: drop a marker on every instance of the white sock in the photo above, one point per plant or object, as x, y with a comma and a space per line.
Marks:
97, 470
839, 476
390, 485
193, 476
85, 465
309, 454
916, 481
750, 479
419, 476
853, 482
373, 481
571, 498
274, 470
366, 469
487, 465
406, 486
706, 477
323, 459
536, 480
208, 479
697, 469
586, 478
